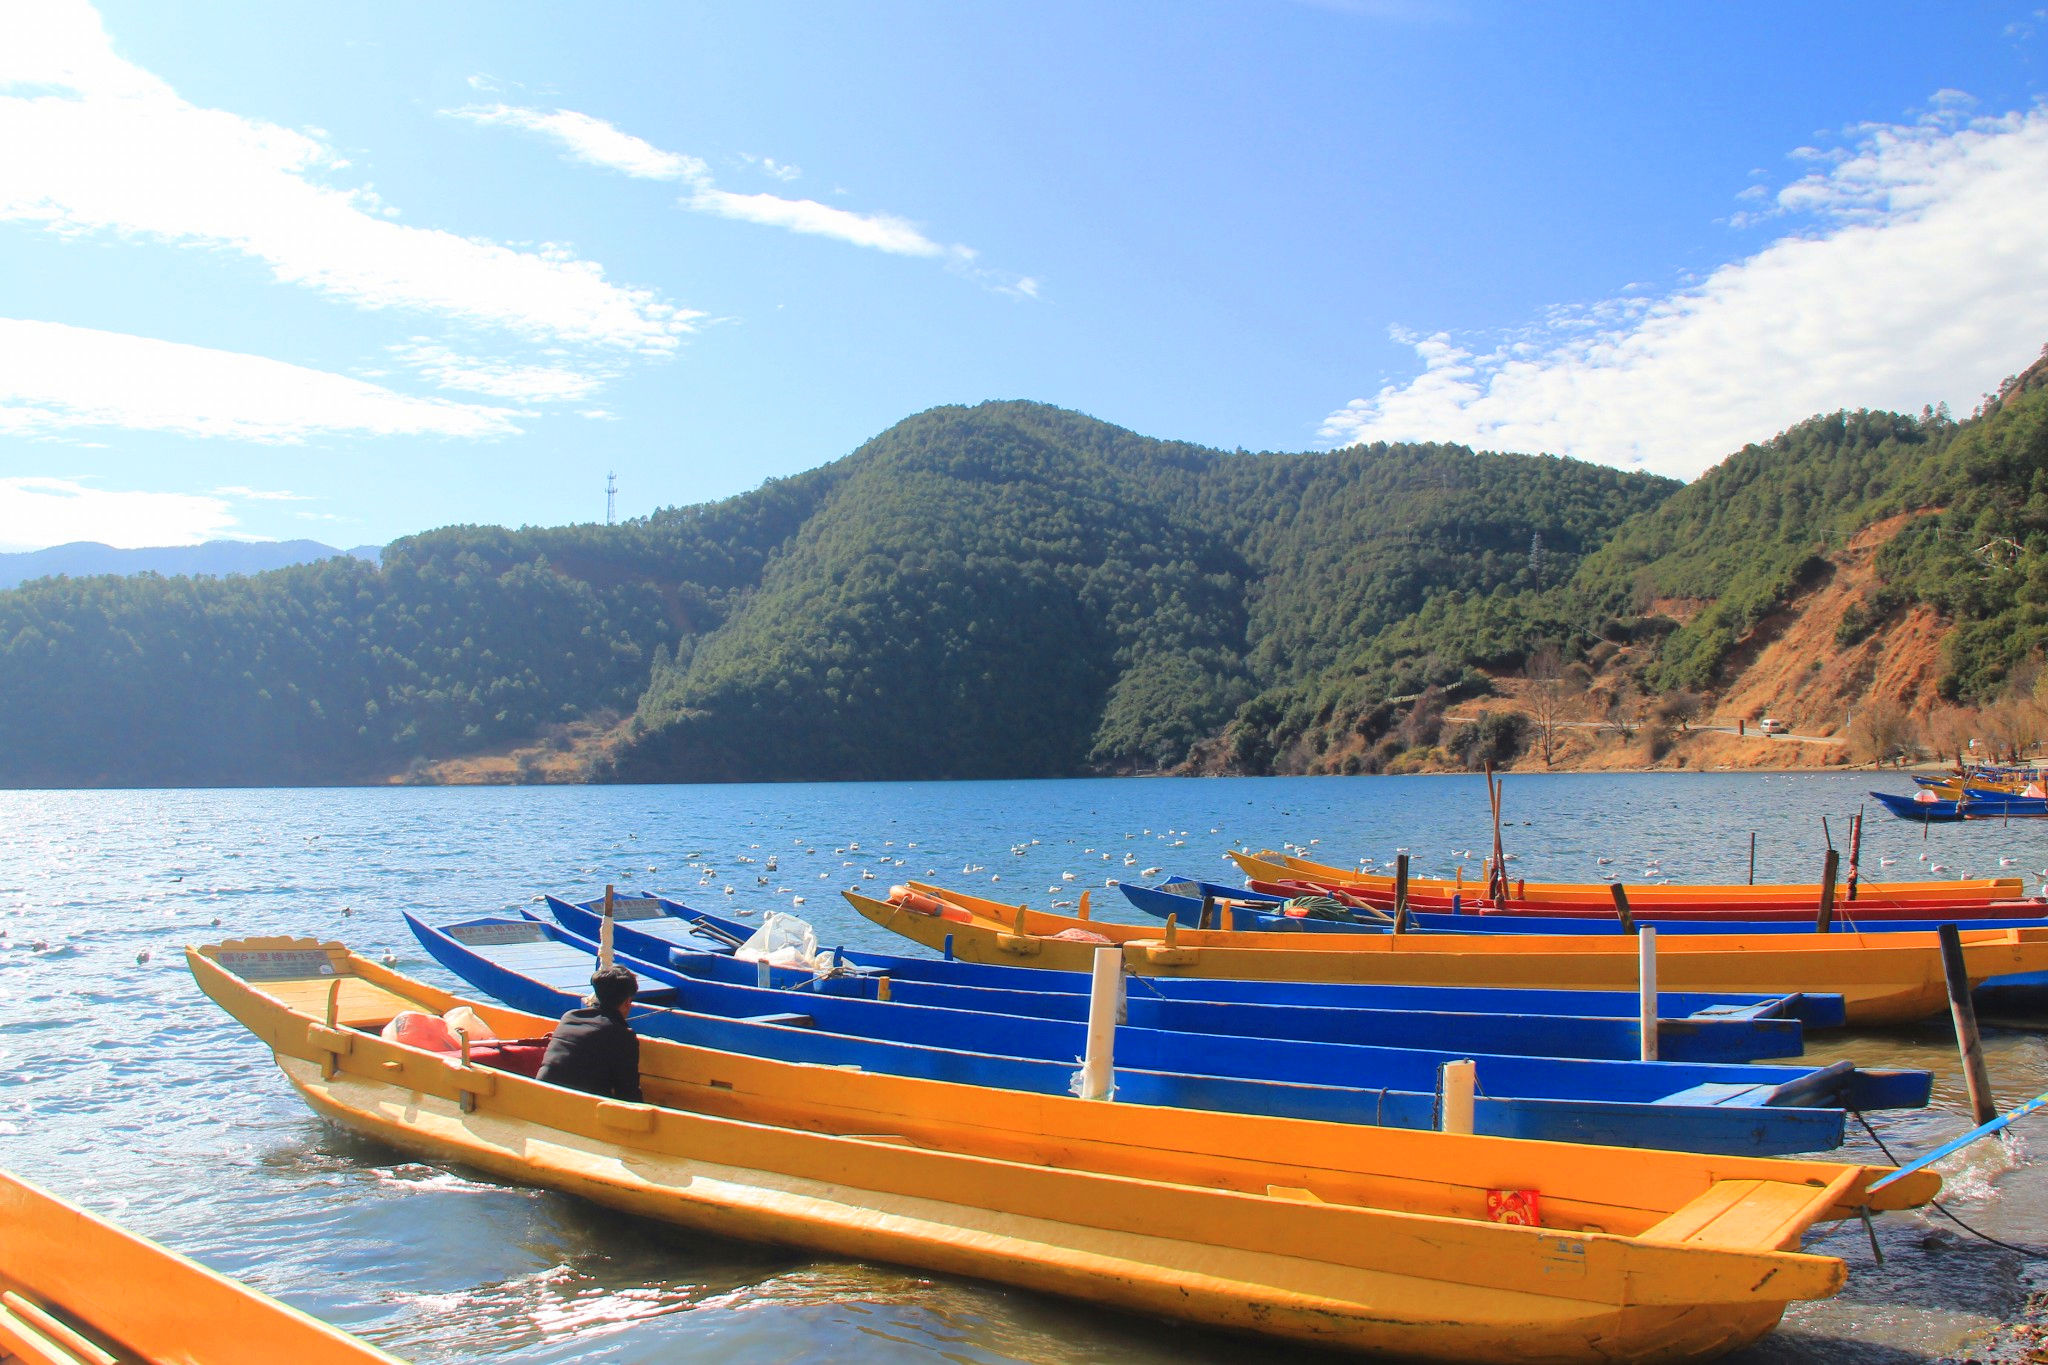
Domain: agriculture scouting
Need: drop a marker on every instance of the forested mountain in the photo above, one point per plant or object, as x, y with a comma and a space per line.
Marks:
85, 558
1016, 590
1003, 590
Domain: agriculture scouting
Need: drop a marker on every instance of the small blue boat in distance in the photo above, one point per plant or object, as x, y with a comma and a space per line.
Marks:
684, 926
539, 967
1540, 1035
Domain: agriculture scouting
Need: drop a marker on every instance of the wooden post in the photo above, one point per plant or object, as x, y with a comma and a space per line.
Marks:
1964, 1011
1083, 912
1855, 849
1497, 877
1172, 930
1097, 1078
1621, 910
333, 1001
1400, 893
1208, 920
1457, 1082
1825, 919
1752, 857
1646, 990
604, 933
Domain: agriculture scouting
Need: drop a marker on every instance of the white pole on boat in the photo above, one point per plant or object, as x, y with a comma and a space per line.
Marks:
604, 933
1646, 989
1457, 1083
1105, 1007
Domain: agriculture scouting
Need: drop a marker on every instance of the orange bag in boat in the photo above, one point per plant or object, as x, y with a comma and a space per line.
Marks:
410, 1028
926, 904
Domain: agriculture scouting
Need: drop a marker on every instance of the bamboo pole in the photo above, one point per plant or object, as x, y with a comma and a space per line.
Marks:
1646, 991
1457, 1084
1097, 1080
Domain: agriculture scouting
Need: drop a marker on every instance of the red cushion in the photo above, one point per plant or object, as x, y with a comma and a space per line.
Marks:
520, 1055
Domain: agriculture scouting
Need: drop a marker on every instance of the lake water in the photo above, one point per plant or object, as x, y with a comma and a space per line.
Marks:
125, 1089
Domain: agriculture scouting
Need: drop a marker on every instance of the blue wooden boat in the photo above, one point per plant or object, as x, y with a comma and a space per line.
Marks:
1967, 808
1181, 897
1988, 801
682, 926
1691, 1106
1540, 1035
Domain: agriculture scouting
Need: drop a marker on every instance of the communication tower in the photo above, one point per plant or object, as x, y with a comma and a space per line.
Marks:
611, 498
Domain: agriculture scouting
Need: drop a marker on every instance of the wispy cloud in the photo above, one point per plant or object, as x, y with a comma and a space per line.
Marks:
35, 512
240, 493
91, 143
595, 142
56, 379
773, 169
1909, 271
590, 140
498, 378
879, 231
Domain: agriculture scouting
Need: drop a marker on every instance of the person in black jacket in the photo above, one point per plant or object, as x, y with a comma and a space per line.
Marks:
594, 1049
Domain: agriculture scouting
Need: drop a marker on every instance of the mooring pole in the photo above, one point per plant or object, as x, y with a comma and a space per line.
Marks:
1457, 1083
1400, 893
1646, 990
1825, 919
1855, 850
1752, 857
1621, 910
1098, 1075
604, 936
1964, 1011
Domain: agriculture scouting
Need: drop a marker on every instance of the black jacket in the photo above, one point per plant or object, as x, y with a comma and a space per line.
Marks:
594, 1052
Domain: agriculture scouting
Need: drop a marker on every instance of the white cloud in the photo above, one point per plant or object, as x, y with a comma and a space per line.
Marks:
498, 378
598, 143
880, 231
35, 512
56, 378
91, 144
590, 140
1916, 277
773, 169
241, 493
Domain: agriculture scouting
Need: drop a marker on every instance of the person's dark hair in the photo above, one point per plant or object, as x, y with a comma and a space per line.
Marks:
613, 988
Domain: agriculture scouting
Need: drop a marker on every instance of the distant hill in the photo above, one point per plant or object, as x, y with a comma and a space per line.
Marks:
1003, 590
83, 558
1014, 590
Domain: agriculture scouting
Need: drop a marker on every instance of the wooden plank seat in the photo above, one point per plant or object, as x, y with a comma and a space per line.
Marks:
1748, 1213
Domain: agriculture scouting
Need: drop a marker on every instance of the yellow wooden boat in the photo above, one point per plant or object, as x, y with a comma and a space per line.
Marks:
1883, 978
76, 1290
1270, 865
1366, 1239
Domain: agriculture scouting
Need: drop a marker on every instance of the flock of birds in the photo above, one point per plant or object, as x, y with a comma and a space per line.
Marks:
857, 865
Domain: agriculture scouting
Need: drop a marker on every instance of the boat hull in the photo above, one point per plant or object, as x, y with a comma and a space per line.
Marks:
1244, 1241
1882, 978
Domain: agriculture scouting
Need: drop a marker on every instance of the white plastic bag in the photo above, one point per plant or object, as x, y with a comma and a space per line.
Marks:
783, 941
464, 1018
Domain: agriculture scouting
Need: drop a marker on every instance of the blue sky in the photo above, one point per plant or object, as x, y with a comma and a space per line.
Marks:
274, 270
